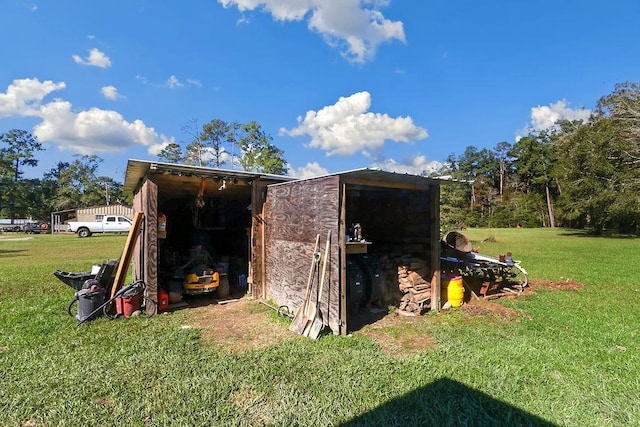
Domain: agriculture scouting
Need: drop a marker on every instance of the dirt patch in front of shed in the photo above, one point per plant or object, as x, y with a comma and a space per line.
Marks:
491, 309
244, 324
567, 285
239, 325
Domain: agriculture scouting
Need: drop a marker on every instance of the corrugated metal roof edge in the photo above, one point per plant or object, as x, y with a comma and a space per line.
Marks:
143, 166
368, 171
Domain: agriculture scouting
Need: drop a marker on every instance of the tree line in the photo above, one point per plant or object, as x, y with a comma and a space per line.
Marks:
76, 183
220, 143
579, 174
66, 186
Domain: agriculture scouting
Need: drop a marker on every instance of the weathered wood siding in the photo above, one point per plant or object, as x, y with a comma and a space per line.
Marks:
146, 252
295, 213
257, 249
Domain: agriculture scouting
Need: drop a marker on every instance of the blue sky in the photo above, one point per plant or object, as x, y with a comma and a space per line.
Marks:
339, 84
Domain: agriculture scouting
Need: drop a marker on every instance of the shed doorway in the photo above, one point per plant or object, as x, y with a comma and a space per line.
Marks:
387, 238
205, 251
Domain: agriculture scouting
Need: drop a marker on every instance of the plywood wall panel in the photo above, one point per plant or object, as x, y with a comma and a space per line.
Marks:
295, 214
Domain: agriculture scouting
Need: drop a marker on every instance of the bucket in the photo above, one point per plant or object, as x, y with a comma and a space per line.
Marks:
127, 305
454, 289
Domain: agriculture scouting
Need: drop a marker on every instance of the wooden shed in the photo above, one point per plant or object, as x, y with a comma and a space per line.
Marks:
398, 218
213, 209
265, 228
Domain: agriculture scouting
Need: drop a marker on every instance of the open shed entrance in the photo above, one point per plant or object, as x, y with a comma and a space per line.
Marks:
388, 251
384, 248
206, 247
199, 229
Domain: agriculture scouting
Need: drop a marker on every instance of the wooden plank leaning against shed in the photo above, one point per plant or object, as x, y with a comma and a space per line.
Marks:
127, 253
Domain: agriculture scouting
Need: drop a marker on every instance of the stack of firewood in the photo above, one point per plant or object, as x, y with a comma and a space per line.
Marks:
412, 283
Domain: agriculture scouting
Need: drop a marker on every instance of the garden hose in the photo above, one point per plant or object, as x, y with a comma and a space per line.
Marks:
119, 294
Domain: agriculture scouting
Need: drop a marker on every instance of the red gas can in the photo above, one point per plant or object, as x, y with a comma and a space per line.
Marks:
163, 300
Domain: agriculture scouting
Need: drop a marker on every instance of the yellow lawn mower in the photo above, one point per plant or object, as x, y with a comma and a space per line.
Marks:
205, 283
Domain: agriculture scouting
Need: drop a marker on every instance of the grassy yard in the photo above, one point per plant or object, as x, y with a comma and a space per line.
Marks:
560, 357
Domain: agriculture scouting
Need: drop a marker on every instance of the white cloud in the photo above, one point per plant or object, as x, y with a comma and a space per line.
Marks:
347, 127
194, 82
85, 132
94, 130
110, 92
356, 26
173, 82
545, 117
416, 166
310, 170
23, 96
96, 58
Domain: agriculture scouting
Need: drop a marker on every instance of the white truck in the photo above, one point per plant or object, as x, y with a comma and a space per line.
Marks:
109, 224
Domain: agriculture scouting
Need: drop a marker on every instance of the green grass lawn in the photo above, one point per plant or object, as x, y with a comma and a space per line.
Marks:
566, 357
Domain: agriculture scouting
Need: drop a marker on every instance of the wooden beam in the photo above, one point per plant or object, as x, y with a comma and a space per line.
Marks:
150, 236
127, 253
342, 253
399, 185
435, 247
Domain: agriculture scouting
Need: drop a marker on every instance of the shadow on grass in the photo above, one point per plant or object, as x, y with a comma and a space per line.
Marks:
607, 234
604, 234
447, 403
12, 253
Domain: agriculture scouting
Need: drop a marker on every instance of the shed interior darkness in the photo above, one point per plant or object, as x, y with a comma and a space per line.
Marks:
397, 224
209, 230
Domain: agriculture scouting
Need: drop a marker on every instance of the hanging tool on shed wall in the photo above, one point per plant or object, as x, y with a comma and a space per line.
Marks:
200, 197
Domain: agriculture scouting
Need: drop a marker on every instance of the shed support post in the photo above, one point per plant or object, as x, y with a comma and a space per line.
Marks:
435, 247
147, 263
342, 253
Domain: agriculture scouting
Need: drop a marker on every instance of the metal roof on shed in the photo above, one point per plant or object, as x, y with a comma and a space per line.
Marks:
186, 174
187, 178
378, 176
